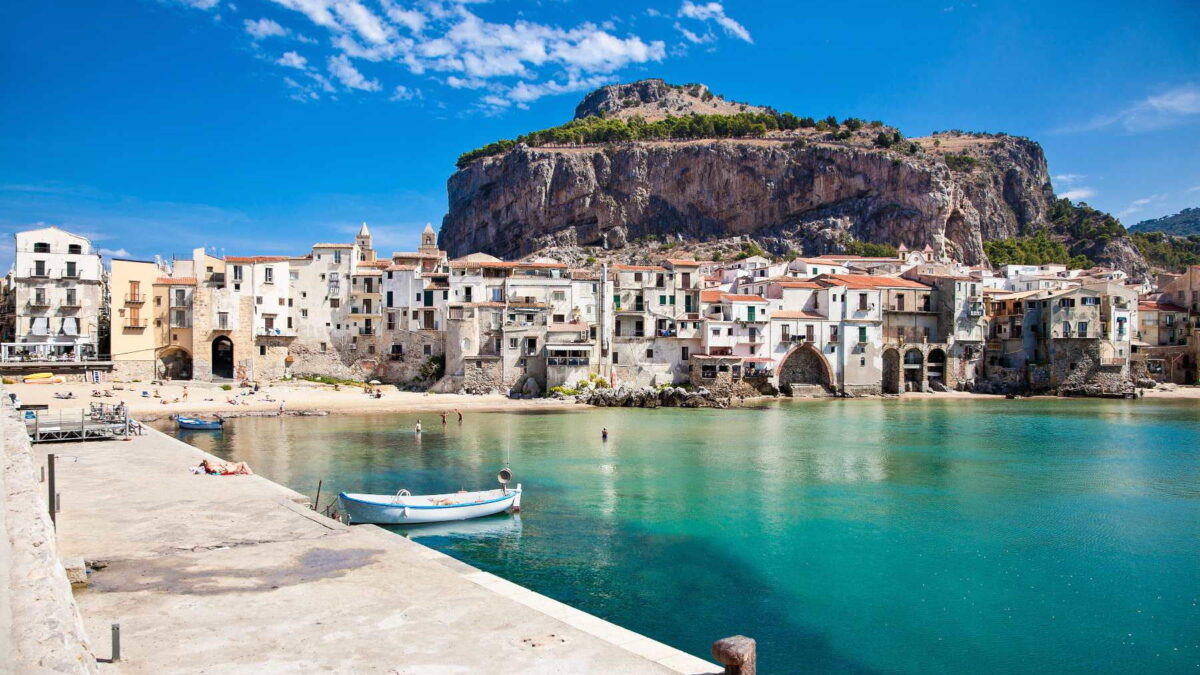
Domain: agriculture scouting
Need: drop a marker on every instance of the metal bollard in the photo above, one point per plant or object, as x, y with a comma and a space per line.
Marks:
737, 654
50, 497
116, 642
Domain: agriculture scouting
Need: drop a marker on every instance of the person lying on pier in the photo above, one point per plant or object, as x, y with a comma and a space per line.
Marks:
224, 468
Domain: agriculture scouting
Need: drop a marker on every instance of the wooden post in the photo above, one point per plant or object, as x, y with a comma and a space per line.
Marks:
116, 642
737, 654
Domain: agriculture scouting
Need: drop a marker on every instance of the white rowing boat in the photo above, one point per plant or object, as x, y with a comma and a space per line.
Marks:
405, 509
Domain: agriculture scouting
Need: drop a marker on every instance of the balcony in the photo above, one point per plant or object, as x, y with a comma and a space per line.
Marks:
275, 332
135, 298
38, 274
69, 274
38, 302
218, 278
366, 311
69, 304
134, 324
631, 334
366, 331
567, 361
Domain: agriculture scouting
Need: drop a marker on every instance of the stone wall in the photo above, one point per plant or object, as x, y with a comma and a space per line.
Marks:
134, 370
483, 375
1076, 368
40, 627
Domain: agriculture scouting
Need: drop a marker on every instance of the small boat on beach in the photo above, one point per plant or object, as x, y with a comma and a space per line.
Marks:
197, 424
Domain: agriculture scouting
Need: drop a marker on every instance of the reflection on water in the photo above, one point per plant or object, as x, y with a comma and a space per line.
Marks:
846, 536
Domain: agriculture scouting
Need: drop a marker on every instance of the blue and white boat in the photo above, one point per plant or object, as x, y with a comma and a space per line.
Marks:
405, 509
198, 424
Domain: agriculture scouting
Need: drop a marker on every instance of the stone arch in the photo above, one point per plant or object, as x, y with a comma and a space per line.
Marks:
804, 365
222, 357
914, 369
175, 363
891, 371
935, 365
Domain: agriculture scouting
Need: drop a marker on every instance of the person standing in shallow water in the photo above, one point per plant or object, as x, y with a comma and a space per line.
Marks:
418, 426
443, 418
459, 415
604, 434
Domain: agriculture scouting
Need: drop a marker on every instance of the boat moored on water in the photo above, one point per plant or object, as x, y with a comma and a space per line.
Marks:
198, 424
405, 509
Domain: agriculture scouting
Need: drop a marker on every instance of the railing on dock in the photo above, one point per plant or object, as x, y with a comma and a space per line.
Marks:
100, 421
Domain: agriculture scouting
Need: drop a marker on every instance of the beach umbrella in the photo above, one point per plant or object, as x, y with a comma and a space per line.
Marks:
374, 382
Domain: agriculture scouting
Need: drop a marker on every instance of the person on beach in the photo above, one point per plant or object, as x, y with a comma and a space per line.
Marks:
185, 393
418, 426
282, 407
443, 418
459, 415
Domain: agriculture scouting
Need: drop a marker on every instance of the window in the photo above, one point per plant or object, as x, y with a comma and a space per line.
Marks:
180, 297
337, 257
512, 343
559, 318
334, 303
322, 347
862, 334
616, 358
862, 302
304, 314
70, 297
41, 247
222, 320
258, 299
1094, 302
833, 333
269, 275
281, 303
71, 271
294, 275
899, 303
237, 272
650, 353
428, 350
262, 350
1083, 326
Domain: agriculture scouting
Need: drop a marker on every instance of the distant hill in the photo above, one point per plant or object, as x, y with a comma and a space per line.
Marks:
1182, 224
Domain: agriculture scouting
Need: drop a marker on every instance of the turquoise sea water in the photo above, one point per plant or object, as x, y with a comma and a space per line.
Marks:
860, 536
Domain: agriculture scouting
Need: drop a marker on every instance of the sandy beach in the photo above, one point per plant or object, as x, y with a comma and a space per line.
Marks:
297, 396
203, 397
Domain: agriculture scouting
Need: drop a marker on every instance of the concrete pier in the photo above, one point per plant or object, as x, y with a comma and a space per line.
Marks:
229, 574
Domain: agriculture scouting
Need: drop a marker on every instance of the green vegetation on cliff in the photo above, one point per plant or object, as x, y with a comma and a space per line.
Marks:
869, 250
1036, 249
1167, 252
611, 129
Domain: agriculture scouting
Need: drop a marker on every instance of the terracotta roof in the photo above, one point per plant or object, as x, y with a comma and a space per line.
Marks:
400, 268
176, 281
711, 296
799, 284
639, 268
333, 245
757, 359
367, 273
256, 258
871, 281
478, 304
793, 314
585, 274
1159, 306
733, 297
683, 263
836, 257
820, 261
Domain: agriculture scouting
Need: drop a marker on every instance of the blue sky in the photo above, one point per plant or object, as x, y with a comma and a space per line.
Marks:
261, 126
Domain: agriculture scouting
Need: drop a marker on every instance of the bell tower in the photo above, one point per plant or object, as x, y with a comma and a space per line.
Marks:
429, 240
363, 241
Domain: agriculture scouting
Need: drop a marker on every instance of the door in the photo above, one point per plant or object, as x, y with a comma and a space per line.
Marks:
750, 313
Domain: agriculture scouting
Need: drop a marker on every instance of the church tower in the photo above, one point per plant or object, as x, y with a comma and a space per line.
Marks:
429, 241
365, 252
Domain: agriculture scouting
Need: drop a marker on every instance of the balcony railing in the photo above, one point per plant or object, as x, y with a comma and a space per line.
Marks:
1116, 361
631, 334
366, 331
38, 302
68, 274
567, 361
70, 304
135, 323
40, 274
135, 298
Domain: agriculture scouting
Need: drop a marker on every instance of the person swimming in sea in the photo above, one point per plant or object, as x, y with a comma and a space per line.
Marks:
604, 434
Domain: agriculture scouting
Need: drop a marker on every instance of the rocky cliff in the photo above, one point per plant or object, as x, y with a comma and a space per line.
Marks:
806, 190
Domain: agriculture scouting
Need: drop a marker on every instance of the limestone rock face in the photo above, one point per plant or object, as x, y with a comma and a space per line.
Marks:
808, 197
655, 99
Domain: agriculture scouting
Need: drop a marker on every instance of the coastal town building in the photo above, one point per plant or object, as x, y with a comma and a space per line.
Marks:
844, 324
56, 303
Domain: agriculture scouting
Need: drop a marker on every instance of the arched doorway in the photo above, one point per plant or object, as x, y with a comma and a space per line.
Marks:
175, 363
222, 357
935, 366
891, 371
805, 366
914, 367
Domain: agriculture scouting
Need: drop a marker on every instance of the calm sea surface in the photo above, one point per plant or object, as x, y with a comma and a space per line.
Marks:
858, 536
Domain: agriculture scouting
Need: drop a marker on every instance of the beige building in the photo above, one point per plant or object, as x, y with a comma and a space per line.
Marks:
134, 336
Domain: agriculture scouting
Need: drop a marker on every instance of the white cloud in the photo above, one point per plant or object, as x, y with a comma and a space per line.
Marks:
1078, 194
1140, 204
403, 93
1194, 189
466, 83
345, 72
293, 60
693, 37
364, 22
114, 253
715, 12
1069, 179
1172, 107
200, 4
264, 28
653, 12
